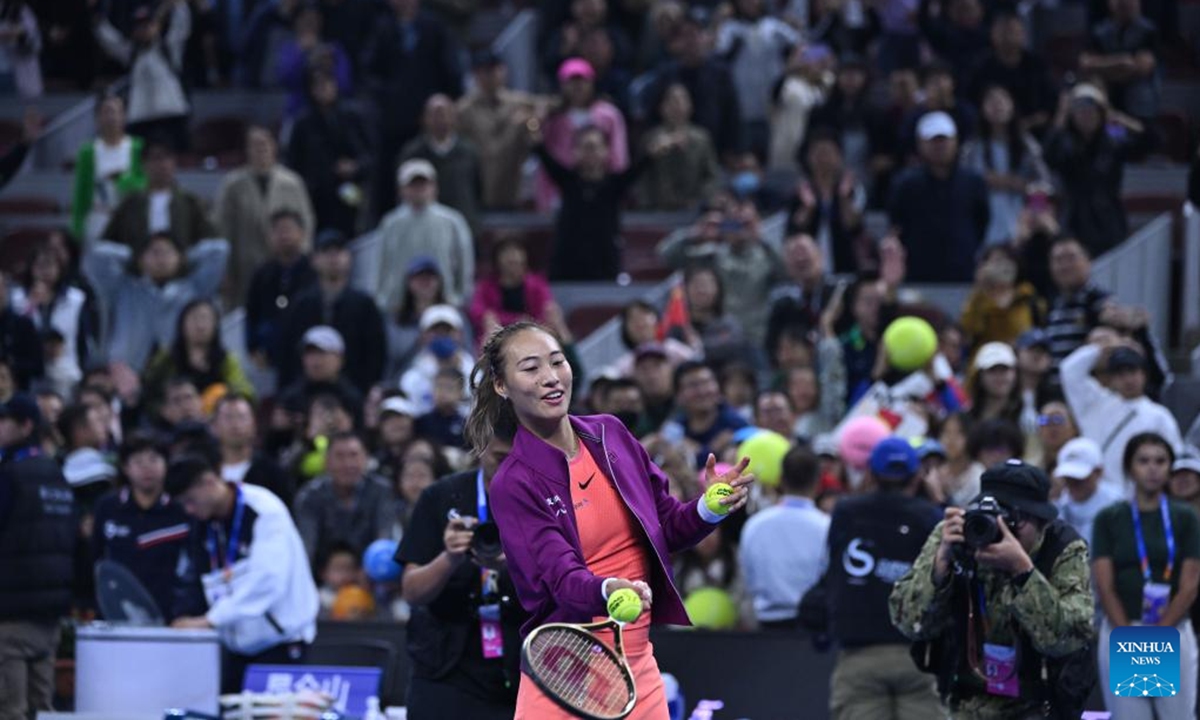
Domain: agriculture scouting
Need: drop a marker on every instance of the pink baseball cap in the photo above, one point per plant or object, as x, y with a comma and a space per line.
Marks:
575, 67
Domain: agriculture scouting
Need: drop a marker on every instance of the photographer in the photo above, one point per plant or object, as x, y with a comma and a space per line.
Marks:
464, 634
1000, 603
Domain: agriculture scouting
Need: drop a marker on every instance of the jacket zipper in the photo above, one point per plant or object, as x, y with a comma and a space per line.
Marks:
617, 484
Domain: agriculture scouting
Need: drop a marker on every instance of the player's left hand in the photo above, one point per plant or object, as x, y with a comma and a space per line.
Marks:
1006, 555
736, 476
191, 623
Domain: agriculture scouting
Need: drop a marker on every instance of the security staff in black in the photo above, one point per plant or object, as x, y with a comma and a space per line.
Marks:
140, 527
873, 540
464, 633
37, 543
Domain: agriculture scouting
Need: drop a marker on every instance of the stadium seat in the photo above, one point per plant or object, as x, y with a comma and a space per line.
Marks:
585, 319
221, 138
1174, 141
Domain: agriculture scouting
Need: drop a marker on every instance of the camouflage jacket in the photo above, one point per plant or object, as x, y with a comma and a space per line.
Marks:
1054, 613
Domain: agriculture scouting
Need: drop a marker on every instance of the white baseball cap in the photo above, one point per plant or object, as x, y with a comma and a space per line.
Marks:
936, 124
324, 338
1078, 459
1189, 459
398, 406
995, 354
439, 314
416, 168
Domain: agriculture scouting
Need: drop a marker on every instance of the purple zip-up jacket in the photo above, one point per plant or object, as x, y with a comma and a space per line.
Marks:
531, 501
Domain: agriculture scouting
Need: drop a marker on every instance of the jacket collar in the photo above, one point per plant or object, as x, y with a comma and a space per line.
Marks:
543, 458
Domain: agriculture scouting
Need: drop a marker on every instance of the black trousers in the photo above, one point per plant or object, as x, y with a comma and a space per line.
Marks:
433, 700
233, 665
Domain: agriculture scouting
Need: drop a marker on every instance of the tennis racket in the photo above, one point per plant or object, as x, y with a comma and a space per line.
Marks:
578, 671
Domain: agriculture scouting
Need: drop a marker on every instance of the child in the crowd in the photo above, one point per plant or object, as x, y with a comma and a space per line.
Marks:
343, 590
444, 423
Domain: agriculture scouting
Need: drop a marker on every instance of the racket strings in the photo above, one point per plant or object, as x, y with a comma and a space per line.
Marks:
581, 672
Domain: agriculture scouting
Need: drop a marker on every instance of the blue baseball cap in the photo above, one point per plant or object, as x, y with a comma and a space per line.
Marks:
422, 263
21, 407
894, 458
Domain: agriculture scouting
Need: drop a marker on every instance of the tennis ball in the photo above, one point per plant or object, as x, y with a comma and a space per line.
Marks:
766, 450
910, 343
624, 605
714, 494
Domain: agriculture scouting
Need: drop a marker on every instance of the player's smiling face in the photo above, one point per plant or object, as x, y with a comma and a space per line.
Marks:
537, 377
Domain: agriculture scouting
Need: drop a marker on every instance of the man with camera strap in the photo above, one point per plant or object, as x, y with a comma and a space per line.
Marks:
999, 603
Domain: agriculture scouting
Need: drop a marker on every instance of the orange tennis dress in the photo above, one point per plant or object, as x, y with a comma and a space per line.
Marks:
612, 547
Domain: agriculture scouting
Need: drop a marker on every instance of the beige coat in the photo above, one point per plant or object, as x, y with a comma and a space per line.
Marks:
499, 134
243, 215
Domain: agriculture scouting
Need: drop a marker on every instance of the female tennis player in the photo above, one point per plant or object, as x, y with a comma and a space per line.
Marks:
582, 509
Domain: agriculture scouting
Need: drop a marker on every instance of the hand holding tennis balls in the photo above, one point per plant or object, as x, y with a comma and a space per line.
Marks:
729, 490
624, 605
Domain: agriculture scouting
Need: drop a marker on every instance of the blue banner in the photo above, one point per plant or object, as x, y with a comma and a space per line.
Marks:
348, 686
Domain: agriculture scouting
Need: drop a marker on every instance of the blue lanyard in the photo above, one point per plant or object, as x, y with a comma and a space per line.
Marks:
481, 497
234, 531
1141, 541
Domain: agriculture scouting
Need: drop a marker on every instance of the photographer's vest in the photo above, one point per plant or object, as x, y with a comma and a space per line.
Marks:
37, 543
1061, 684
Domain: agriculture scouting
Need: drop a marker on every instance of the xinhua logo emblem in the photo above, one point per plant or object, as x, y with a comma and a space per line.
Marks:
1143, 661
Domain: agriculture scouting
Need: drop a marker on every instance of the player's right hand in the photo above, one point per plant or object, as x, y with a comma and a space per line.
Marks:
641, 588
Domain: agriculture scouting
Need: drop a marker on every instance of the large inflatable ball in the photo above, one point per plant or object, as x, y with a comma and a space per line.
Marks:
910, 343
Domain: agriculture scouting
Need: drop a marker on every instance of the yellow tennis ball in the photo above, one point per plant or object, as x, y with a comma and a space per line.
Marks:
624, 605
713, 496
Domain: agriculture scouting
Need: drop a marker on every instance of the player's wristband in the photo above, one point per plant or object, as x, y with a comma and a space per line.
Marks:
604, 588
707, 515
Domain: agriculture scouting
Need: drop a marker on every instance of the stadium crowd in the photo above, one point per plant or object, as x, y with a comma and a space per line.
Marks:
993, 169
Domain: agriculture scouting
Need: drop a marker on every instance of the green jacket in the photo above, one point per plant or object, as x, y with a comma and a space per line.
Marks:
85, 181
1054, 613
161, 369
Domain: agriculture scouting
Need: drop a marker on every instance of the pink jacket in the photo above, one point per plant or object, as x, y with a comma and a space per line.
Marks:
488, 298
559, 138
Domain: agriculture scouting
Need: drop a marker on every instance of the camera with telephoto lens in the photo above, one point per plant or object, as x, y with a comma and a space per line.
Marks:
981, 522
485, 543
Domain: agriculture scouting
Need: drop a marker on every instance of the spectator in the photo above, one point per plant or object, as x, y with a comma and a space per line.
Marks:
444, 580
106, 170
798, 303
1001, 306
1037, 227
276, 284
1185, 481
900, 40
707, 80
444, 421
182, 410
323, 360
588, 224
1146, 561
267, 30
196, 353
713, 563
342, 578
1088, 147
1009, 160
307, 52
848, 28
140, 527
1080, 467
687, 173
794, 99
348, 505
882, 529
143, 303
442, 346
774, 411
829, 205
60, 309
1010, 65
310, 422
158, 105
69, 47
409, 58
349, 311
423, 227
415, 476
1123, 52
850, 115
397, 421
860, 343
748, 267
267, 612
88, 471
889, 151
709, 330
1121, 400
162, 208
1056, 427
994, 390
37, 537
423, 288
579, 108
955, 30
704, 418
1077, 303
781, 554
494, 118
653, 371
639, 329
455, 159
21, 43
739, 385
246, 203
1033, 367
939, 93
940, 207
236, 430
754, 43
510, 293
995, 442
958, 477
329, 149
587, 17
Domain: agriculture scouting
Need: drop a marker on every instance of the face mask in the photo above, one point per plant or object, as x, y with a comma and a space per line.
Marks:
745, 183
443, 347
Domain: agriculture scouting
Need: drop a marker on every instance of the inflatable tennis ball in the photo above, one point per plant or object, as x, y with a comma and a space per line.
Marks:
379, 561
766, 450
313, 463
715, 494
859, 437
624, 605
910, 343
711, 608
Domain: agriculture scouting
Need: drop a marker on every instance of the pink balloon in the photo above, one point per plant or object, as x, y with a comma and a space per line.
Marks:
702, 476
859, 437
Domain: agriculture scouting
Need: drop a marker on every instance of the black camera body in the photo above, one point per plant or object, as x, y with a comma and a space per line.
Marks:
981, 522
485, 542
